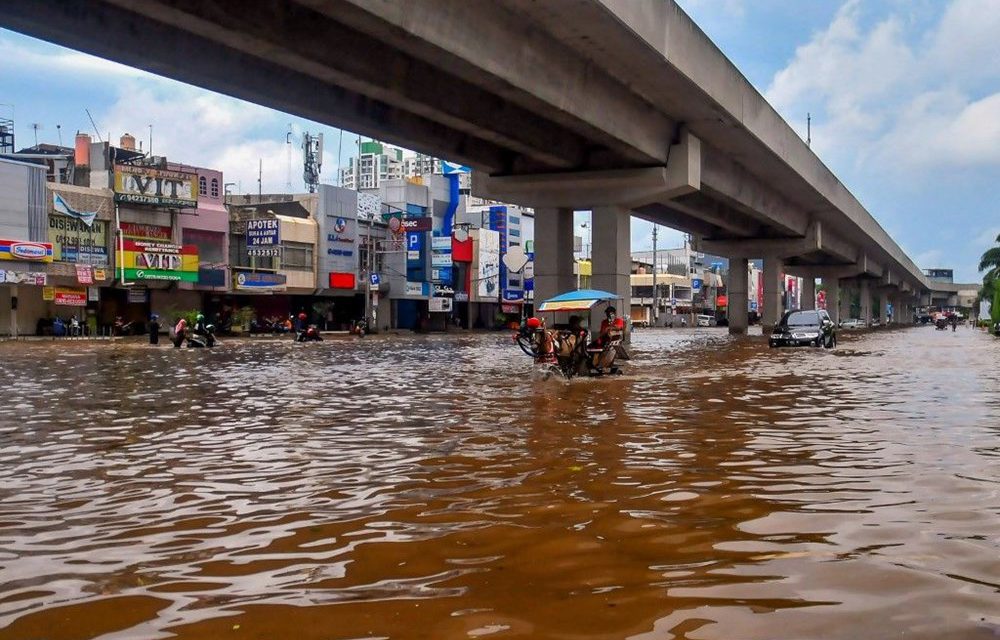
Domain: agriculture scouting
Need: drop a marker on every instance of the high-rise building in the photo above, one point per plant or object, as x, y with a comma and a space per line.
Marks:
376, 162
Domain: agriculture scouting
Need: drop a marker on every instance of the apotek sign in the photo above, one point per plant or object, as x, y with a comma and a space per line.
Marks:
263, 233
144, 185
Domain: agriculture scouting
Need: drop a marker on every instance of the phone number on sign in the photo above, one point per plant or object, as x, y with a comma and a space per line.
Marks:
264, 253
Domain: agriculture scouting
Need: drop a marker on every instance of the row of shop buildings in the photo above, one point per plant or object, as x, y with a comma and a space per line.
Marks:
108, 234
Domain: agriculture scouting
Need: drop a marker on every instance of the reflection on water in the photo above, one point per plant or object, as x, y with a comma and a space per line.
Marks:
433, 488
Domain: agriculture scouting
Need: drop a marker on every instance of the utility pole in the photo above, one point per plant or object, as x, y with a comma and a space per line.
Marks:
656, 296
808, 129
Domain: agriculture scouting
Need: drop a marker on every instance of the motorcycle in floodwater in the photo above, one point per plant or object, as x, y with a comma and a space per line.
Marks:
202, 340
568, 352
941, 324
311, 334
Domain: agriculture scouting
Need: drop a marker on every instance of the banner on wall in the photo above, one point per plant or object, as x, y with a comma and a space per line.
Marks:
159, 261
70, 296
24, 251
489, 264
145, 185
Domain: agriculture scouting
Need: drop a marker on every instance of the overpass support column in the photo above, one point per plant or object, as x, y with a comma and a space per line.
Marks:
833, 298
736, 290
866, 303
808, 293
772, 292
846, 294
553, 253
612, 242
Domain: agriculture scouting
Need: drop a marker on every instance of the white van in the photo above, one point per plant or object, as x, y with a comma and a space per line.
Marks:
703, 320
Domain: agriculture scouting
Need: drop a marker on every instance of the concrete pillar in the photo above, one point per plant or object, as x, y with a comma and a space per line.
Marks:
883, 310
612, 253
736, 290
832, 298
808, 293
846, 293
772, 292
553, 253
866, 303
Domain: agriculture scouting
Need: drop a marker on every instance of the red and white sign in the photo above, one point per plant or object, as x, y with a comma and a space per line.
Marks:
84, 274
146, 231
71, 297
27, 251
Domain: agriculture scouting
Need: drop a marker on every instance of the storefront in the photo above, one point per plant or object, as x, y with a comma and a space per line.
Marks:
151, 259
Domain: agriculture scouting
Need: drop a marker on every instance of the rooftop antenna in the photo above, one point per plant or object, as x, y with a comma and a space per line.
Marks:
288, 158
260, 178
150, 141
312, 160
808, 129
95, 125
36, 126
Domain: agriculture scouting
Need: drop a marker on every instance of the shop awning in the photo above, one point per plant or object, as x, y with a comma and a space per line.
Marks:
580, 300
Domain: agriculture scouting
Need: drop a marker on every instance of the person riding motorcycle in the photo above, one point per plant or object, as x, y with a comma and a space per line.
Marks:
199, 325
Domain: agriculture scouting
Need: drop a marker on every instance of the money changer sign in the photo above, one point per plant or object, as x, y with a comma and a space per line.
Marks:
160, 261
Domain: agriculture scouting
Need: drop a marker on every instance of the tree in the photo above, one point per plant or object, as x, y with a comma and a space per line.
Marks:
990, 263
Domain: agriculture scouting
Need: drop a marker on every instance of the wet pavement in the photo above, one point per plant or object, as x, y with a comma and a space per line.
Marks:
432, 487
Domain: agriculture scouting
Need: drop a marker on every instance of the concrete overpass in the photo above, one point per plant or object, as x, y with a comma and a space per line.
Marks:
617, 106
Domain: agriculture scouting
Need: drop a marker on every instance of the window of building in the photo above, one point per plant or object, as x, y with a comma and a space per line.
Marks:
514, 233
215, 187
511, 220
202, 186
297, 256
209, 244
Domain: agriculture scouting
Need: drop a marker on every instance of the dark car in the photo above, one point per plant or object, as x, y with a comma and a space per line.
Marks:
804, 328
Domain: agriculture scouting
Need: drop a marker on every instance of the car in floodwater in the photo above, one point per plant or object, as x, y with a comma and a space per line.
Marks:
804, 327
851, 323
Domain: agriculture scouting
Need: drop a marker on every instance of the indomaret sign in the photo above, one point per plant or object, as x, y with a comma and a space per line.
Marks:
143, 185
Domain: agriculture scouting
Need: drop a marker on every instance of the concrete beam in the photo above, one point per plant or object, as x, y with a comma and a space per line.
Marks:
328, 51
725, 179
778, 247
523, 65
130, 38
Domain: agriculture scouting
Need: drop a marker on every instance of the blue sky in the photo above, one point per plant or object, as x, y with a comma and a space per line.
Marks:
904, 96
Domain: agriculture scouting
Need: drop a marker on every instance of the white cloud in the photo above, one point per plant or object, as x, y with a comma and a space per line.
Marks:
888, 94
68, 62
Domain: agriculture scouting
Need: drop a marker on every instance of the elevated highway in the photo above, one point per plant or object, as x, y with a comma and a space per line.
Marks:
617, 106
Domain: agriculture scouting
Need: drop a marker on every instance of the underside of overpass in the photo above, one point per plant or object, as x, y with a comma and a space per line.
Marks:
609, 105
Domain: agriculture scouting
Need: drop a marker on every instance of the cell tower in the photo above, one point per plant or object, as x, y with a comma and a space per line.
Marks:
312, 160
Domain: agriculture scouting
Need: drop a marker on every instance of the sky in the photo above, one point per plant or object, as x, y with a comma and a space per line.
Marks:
904, 97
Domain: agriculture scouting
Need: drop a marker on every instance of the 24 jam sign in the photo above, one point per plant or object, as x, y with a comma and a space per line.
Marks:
263, 233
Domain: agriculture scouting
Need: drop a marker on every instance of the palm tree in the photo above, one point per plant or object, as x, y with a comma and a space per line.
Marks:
990, 263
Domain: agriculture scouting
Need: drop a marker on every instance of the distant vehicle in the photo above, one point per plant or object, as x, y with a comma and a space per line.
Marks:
703, 320
876, 322
851, 323
800, 328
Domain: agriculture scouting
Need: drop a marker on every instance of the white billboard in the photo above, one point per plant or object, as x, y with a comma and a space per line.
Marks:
489, 264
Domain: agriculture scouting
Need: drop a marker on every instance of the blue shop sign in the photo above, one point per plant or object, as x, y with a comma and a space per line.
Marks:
263, 233
259, 280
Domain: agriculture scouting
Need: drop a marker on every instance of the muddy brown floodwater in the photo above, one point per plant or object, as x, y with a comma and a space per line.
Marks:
430, 487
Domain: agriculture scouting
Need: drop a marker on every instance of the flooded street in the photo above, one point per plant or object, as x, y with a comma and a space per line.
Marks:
431, 487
